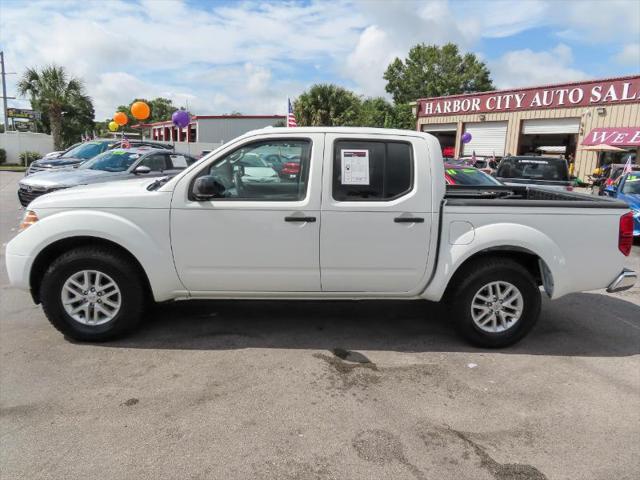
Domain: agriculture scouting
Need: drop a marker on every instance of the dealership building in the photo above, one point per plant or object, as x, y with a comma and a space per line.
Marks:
552, 119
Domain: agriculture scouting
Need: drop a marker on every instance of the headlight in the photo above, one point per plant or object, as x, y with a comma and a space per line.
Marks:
29, 219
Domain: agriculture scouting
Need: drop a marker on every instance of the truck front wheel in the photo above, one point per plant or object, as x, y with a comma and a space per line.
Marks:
495, 302
92, 294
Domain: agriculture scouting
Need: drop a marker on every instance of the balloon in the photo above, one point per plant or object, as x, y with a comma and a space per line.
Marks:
120, 118
466, 137
140, 110
180, 118
113, 126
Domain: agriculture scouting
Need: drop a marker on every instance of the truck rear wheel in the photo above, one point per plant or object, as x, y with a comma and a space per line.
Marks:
92, 294
495, 302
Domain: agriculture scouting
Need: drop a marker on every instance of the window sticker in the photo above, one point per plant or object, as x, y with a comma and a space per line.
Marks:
178, 161
118, 152
355, 167
134, 155
633, 178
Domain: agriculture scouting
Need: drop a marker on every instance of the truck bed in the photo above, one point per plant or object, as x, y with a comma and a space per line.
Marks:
512, 196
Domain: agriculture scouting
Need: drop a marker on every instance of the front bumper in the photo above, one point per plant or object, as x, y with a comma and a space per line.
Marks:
624, 281
18, 268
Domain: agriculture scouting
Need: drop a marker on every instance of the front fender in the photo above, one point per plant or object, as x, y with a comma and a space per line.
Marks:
142, 232
500, 236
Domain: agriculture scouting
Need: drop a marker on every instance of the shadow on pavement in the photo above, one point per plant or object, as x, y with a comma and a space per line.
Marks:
577, 325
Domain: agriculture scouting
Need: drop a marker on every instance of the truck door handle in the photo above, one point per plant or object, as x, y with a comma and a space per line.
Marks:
300, 219
408, 220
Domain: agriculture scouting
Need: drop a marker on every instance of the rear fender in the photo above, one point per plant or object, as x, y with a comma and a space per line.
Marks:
499, 237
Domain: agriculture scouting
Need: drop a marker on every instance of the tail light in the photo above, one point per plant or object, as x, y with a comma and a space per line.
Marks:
625, 235
291, 167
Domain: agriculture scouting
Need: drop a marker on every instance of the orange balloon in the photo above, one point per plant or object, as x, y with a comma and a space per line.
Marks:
120, 118
140, 110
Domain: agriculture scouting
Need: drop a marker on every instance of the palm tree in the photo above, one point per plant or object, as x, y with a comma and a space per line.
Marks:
327, 105
52, 89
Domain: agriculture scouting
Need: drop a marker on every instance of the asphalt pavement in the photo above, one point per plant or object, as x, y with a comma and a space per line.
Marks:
319, 390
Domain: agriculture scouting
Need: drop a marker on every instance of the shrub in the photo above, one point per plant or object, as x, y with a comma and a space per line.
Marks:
3, 156
26, 158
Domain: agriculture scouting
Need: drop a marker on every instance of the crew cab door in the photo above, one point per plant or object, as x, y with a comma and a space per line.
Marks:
263, 233
376, 213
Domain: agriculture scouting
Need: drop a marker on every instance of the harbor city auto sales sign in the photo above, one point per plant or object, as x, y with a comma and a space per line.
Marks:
602, 92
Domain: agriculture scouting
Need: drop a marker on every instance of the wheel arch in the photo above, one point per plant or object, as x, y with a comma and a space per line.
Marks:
536, 251
52, 251
531, 261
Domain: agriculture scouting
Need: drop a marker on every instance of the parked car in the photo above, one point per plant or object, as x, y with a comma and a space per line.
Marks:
627, 189
58, 153
118, 164
611, 172
74, 157
372, 219
537, 171
461, 175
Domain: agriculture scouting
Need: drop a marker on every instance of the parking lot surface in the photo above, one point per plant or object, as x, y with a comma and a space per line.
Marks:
312, 390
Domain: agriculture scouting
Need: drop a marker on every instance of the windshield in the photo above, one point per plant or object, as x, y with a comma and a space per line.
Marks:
534, 168
86, 150
632, 184
112, 161
468, 176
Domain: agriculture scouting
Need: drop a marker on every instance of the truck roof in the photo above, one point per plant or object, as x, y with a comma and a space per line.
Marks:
338, 130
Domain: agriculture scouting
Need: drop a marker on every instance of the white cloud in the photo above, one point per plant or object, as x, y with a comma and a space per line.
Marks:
249, 56
522, 68
629, 55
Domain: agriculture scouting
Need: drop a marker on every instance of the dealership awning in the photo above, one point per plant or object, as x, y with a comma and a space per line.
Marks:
618, 137
603, 147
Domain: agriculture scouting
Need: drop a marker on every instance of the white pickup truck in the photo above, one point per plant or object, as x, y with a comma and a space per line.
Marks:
366, 216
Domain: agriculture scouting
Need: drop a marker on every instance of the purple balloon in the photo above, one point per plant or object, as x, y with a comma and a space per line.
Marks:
466, 137
180, 118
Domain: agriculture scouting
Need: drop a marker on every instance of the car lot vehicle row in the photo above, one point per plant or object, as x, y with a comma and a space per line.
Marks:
368, 216
116, 164
79, 153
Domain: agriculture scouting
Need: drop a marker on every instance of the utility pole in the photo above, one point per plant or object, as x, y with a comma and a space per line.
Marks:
4, 93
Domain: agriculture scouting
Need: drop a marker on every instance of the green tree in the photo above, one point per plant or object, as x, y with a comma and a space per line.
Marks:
78, 120
53, 91
327, 105
432, 71
402, 117
374, 112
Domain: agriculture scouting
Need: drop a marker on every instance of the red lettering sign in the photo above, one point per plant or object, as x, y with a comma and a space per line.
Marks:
601, 92
620, 137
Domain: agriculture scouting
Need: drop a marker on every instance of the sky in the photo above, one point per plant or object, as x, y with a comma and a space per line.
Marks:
248, 56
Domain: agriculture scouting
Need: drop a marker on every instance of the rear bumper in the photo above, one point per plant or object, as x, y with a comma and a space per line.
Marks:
624, 281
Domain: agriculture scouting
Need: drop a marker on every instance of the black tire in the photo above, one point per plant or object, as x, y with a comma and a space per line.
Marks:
127, 277
471, 279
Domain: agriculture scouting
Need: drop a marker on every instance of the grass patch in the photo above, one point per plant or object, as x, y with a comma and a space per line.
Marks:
12, 168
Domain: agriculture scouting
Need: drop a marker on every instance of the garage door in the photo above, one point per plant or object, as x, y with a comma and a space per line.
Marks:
551, 125
440, 127
487, 138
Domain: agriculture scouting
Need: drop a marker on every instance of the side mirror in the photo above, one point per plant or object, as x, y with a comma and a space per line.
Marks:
208, 187
141, 169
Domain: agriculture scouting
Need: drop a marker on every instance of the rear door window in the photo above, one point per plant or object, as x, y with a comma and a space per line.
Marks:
365, 170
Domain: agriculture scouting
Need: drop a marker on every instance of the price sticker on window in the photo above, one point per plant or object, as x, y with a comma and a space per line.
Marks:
355, 167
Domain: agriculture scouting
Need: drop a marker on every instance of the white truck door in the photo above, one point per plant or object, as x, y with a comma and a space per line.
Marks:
263, 235
376, 213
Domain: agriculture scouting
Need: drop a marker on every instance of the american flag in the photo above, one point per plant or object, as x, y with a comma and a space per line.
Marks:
291, 118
